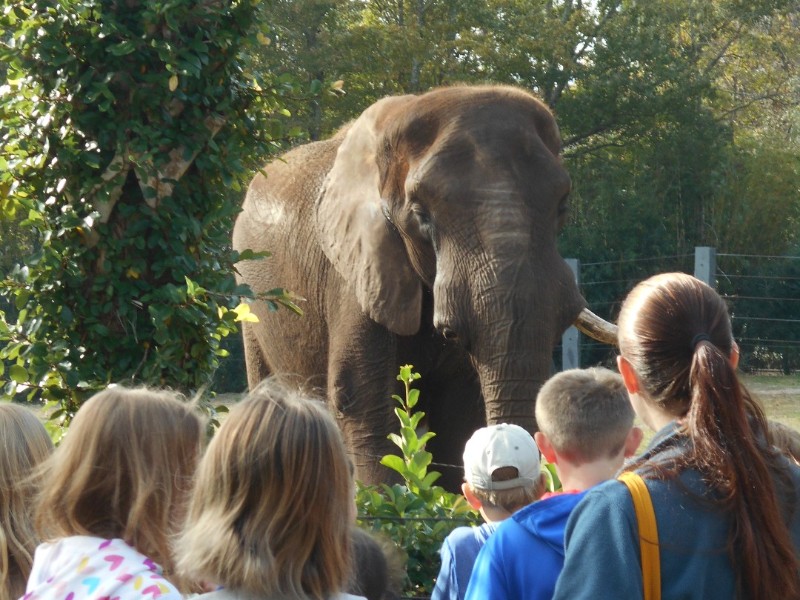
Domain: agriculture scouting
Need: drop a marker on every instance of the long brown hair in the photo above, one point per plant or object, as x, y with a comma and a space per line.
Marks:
25, 444
675, 332
273, 503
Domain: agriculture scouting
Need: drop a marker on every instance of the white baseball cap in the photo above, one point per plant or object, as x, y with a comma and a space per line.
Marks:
497, 446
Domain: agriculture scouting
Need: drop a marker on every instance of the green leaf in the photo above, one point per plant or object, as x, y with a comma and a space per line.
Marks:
66, 315
18, 373
413, 398
430, 479
405, 373
394, 462
403, 417
425, 437
396, 440
410, 443
122, 49
422, 459
415, 419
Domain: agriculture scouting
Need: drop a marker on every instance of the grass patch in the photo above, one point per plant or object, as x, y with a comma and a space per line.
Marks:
772, 382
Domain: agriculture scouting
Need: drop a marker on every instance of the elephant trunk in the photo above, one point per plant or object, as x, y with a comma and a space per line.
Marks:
514, 357
510, 383
510, 397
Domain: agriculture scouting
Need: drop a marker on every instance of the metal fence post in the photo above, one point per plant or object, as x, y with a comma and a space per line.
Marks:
570, 340
705, 264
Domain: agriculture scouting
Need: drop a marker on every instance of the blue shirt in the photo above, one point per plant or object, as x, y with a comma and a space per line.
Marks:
602, 537
523, 558
458, 553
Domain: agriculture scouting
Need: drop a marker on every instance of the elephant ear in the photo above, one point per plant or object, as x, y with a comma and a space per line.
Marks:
354, 232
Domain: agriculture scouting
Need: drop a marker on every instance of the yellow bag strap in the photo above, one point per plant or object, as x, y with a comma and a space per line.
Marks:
648, 534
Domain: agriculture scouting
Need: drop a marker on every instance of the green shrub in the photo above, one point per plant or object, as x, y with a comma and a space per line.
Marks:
417, 515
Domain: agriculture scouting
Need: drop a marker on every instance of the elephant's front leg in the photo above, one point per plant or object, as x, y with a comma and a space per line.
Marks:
362, 375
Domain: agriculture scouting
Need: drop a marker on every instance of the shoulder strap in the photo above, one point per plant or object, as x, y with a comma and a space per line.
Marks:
648, 534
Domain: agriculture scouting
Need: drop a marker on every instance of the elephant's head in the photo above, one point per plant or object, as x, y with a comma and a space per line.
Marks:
460, 190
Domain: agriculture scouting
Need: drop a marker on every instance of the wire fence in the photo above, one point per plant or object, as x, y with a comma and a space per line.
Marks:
763, 294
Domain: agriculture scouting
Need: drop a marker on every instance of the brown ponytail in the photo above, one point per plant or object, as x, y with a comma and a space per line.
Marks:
676, 333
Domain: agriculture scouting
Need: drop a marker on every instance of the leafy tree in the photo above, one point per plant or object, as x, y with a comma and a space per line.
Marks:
299, 56
350, 54
128, 131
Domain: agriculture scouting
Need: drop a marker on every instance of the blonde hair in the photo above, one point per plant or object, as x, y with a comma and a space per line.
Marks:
585, 413
511, 499
123, 471
273, 502
25, 444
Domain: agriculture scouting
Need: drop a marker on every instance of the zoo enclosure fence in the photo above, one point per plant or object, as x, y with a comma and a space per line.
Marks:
762, 292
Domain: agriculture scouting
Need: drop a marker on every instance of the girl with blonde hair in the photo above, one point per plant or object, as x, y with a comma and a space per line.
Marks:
24, 444
272, 508
725, 499
112, 495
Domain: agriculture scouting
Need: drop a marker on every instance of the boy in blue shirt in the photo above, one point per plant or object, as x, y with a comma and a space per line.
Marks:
586, 430
502, 474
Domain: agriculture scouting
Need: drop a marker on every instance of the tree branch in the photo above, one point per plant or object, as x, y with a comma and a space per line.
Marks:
118, 167
162, 181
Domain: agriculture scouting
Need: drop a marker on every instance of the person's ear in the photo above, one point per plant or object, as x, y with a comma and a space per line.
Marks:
735, 355
545, 447
633, 441
473, 501
629, 377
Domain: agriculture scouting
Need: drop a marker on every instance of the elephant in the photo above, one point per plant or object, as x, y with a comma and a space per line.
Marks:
423, 232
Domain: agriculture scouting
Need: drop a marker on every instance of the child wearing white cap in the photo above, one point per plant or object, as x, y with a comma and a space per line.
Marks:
586, 431
501, 475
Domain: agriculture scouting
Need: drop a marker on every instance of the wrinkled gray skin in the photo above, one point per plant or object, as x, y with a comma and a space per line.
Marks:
424, 232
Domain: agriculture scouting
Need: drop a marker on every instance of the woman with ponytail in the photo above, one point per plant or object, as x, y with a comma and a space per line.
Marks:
726, 502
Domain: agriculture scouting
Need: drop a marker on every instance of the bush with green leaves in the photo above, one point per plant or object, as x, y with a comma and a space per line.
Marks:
127, 133
417, 515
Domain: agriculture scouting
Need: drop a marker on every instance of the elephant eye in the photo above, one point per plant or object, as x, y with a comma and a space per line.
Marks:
424, 221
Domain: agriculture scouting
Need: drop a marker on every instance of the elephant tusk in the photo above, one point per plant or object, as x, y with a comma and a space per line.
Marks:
596, 328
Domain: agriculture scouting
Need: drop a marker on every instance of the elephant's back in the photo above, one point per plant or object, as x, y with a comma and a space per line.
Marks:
277, 217
277, 210
284, 190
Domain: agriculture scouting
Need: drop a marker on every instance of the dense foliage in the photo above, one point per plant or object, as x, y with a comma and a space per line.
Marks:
128, 131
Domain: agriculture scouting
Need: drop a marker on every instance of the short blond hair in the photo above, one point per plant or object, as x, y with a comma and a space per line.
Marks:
25, 444
273, 502
585, 413
124, 471
511, 499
